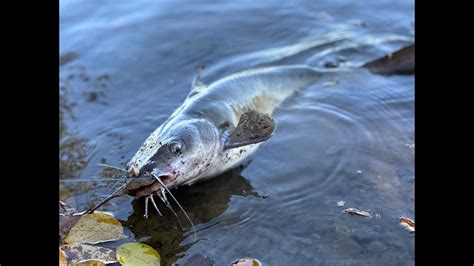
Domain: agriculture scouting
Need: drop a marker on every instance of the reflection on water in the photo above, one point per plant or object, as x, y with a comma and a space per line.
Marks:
125, 67
203, 202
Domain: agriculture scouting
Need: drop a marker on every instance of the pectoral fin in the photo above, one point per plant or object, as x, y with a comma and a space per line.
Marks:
253, 127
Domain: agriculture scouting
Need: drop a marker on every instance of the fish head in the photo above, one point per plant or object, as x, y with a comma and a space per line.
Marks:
182, 152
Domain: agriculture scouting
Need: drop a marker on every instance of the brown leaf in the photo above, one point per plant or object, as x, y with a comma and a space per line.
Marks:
408, 221
85, 254
408, 224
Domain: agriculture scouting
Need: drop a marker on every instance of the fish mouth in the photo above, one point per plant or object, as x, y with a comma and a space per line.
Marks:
145, 186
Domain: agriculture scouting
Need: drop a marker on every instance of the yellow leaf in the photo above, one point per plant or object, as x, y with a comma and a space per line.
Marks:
95, 228
137, 254
87, 255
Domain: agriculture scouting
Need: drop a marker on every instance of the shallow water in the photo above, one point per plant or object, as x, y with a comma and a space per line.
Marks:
125, 67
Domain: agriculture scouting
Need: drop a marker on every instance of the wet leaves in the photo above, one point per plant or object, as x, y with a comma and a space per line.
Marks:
137, 254
354, 211
78, 235
95, 228
86, 254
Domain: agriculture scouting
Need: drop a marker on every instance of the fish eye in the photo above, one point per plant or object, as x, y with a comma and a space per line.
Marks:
176, 146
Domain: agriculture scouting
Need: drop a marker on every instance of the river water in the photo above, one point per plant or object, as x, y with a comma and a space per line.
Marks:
127, 65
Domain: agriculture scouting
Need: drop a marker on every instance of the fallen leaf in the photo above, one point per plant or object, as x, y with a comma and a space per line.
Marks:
95, 228
137, 254
247, 262
354, 211
66, 222
85, 254
408, 221
408, 224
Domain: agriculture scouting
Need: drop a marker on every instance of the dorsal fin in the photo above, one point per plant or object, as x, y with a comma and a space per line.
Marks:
197, 85
401, 62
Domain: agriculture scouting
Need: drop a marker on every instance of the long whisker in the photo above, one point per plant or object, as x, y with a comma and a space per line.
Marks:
111, 196
113, 167
163, 198
179, 205
154, 204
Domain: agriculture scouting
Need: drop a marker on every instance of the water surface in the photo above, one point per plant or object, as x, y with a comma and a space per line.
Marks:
126, 66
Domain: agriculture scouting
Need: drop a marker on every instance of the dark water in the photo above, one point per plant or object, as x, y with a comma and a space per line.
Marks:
125, 66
